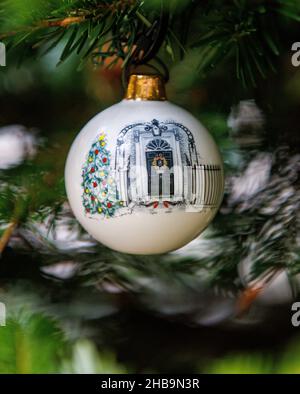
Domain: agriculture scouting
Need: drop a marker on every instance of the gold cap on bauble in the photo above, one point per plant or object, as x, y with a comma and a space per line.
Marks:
145, 87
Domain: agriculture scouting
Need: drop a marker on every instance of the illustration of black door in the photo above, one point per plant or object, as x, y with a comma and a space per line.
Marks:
160, 173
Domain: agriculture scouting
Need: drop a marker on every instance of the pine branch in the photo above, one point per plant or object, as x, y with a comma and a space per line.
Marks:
45, 24
254, 289
238, 32
7, 235
29, 191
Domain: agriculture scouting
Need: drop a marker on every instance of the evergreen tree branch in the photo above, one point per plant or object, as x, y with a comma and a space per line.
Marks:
45, 24
238, 32
7, 235
250, 294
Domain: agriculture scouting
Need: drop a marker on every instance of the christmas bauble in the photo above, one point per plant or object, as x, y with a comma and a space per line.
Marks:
144, 176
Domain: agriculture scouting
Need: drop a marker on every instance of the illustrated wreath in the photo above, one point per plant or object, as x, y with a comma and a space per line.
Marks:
159, 158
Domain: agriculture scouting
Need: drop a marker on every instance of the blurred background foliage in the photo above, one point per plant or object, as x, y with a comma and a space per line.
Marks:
76, 306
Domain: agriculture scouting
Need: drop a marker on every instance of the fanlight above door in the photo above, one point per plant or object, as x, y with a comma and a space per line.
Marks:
158, 144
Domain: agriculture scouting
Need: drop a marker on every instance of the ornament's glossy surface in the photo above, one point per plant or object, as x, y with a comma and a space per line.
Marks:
144, 177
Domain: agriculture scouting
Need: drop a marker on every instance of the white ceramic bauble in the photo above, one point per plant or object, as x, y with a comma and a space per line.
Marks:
144, 176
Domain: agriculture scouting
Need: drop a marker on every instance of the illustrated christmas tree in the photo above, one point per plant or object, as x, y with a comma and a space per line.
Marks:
99, 187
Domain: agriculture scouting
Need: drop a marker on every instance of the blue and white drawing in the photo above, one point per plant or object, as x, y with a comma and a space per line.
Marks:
157, 165
155, 168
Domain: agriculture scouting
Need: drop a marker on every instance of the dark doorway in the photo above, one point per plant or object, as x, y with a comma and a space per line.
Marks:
160, 172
